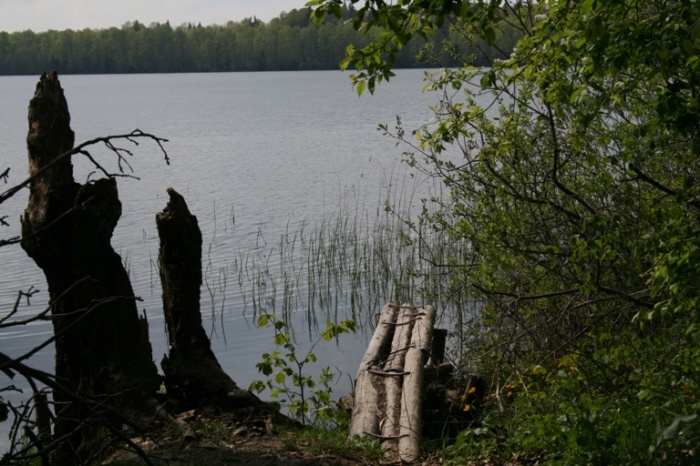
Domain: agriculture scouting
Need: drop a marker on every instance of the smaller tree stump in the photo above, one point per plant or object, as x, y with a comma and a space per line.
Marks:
193, 375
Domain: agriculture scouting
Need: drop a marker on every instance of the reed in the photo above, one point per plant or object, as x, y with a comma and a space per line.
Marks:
350, 264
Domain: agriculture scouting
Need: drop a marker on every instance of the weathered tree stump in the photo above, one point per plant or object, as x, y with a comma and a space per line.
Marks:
66, 230
193, 375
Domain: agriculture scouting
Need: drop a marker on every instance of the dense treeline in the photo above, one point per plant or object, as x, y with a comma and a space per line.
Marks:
288, 42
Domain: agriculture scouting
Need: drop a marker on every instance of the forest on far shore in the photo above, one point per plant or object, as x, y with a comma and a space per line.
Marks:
287, 43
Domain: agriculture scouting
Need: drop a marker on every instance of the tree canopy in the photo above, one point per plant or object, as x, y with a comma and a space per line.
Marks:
572, 168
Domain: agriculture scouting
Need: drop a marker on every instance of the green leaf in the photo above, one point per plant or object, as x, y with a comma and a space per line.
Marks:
490, 36
279, 325
257, 386
360, 87
280, 339
586, 6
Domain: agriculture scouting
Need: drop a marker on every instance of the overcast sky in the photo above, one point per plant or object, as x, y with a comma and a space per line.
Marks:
42, 15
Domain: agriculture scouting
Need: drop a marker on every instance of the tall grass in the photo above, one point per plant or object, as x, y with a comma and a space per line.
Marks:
351, 263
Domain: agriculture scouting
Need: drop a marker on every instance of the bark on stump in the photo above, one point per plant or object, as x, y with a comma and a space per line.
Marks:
101, 348
193, 376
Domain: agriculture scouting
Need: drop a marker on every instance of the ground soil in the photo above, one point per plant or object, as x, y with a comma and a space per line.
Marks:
197, 439
258, 450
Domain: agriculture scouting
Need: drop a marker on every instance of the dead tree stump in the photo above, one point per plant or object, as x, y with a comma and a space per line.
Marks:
193, 375
66, 230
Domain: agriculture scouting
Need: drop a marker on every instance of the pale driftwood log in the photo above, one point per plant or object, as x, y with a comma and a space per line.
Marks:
365, 410
411, 405
392, 385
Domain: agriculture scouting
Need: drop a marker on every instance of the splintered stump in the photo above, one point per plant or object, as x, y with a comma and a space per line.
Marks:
389, 385
193, 375
103, 355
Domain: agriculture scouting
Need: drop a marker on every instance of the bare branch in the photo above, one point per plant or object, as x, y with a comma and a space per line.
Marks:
21, 294
80, 149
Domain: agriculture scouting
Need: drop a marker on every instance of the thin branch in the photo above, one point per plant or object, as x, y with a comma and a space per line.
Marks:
557, 161
518, 297
20, 295
80, 149
665, 189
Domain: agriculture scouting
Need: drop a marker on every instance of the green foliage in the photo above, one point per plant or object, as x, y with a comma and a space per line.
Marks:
324, 442
405, 21
214, 431
572, 169
309, 398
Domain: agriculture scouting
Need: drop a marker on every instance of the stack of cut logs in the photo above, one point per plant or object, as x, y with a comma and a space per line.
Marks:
390, 382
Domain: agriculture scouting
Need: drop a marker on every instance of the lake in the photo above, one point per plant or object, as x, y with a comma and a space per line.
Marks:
259, 157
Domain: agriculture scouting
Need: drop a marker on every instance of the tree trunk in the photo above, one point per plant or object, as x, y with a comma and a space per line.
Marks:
193, 375
101, 348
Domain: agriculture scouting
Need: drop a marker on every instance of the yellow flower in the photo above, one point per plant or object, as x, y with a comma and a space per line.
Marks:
463, 397
467, 408
472, 390
509, 394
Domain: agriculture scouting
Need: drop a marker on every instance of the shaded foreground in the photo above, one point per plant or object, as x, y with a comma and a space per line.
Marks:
226, 440
233, 443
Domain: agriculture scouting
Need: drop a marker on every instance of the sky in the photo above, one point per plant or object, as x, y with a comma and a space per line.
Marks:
42, 15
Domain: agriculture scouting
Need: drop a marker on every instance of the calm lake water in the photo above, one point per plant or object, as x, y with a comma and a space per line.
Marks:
255, 155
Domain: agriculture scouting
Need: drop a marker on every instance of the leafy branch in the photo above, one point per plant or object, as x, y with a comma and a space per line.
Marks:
309, 399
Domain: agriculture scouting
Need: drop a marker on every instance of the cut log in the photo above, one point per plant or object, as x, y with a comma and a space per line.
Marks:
411, 406
395, 364
391, 384
365, 410
193, 375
